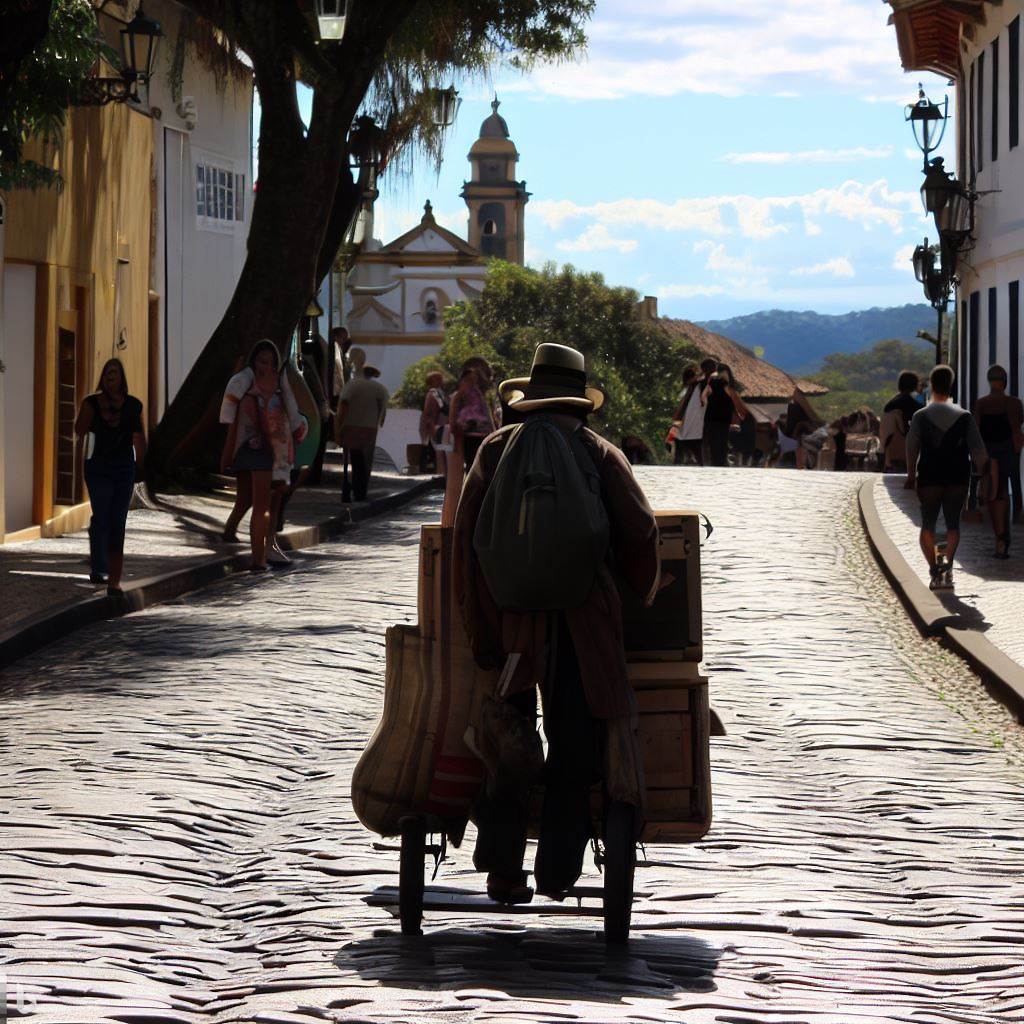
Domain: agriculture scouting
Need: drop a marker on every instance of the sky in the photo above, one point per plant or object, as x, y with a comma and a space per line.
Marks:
724, 162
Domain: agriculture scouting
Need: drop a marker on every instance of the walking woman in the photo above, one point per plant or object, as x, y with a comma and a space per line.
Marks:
432, 423
470, 420
722, 405
114, 419
264, 425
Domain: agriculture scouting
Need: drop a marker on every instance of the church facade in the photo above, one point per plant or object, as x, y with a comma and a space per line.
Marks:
397, 292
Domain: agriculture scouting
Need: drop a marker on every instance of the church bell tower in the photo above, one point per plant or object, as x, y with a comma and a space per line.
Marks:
495, 199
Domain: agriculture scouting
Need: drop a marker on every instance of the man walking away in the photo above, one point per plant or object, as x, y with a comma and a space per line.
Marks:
361, 410
548, 507
942, 440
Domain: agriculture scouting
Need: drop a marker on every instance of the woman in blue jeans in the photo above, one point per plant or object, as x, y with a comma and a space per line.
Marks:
114, 418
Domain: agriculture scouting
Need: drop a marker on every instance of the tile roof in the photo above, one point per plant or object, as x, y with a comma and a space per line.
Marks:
758, 380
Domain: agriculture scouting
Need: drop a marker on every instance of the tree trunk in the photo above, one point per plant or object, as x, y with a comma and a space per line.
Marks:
305, 200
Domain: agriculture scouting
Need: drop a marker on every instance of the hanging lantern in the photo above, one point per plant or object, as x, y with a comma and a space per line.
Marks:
924, 261
928, 121
139, 39
331, 16
446, 106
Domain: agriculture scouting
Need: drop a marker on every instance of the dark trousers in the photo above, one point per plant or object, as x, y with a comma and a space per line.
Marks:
1018, 507
573, 766
717, 436
361, 460
110, 493
694, 449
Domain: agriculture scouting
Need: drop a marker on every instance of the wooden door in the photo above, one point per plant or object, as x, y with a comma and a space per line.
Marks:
68, 489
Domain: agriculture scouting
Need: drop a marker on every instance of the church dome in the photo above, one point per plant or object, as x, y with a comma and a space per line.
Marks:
494, 127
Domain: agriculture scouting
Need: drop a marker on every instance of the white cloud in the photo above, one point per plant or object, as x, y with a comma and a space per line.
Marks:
765, 47
902, 260
757, 217
597, 238
811, 156
720, 261
689, 291
839, 267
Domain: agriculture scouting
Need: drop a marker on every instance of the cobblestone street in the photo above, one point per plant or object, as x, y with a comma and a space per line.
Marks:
179, 844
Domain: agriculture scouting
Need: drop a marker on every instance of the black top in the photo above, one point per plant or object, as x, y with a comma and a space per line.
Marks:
796, 414
114, 435
719, 408
905, 403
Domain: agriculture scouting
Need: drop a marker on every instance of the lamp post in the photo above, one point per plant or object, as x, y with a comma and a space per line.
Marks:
139, 41
949, 203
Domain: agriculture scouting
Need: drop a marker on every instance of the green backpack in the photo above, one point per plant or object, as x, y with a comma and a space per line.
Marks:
542, 533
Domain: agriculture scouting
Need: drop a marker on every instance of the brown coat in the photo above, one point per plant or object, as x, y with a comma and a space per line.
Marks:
596, 626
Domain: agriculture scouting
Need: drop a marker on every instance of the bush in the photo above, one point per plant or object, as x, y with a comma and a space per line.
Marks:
636, 363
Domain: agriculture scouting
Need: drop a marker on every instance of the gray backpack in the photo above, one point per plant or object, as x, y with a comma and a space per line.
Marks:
542, 532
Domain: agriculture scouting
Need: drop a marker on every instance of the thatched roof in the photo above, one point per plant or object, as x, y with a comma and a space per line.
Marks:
758, 380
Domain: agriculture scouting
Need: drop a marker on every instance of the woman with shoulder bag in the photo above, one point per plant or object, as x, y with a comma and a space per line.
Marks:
114, 418
264, 425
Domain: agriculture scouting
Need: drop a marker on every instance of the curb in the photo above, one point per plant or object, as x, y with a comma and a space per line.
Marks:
1003, 676
39, 630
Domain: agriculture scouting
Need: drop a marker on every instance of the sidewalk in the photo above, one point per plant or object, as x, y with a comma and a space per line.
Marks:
169, 549
983, 616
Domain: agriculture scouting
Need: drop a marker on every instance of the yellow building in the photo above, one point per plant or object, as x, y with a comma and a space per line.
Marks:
75, 265
136, 256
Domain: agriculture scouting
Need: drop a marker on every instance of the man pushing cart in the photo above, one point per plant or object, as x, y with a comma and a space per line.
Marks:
553, 539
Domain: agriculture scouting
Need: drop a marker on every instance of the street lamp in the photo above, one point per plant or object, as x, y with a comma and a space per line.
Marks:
366, 144
331, 16
924, 261
446, 106
139, 40
928, 120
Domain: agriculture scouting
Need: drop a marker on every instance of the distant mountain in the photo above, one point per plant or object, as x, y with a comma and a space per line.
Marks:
797, 342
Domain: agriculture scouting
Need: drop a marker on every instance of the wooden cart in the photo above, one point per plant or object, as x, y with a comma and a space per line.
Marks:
417, 776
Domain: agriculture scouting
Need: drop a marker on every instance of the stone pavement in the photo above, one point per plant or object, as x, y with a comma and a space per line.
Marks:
179, 844
184, 530
989, 592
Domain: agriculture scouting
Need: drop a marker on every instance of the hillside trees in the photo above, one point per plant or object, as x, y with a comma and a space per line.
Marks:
868, 378
392, 51
635, 362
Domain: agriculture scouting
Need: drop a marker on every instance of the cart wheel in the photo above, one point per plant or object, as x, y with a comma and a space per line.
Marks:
619, 864
410, 875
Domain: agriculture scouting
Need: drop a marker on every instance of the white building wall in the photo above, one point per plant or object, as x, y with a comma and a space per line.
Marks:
997, 259
198, 258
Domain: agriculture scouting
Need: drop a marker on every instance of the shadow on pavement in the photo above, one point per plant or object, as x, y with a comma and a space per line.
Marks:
535, 962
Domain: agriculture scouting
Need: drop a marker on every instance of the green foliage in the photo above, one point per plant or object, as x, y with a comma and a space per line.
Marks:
40, 93
637, 364
462, 40
868, 378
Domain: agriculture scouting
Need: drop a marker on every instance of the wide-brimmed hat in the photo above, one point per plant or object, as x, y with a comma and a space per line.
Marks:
558, 377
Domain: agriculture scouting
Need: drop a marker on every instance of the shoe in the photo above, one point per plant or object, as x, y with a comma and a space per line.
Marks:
947, 578
116, 592
257, 569
1004, 540
937, 577
97, 578
229, 538
275, 556
510, 891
